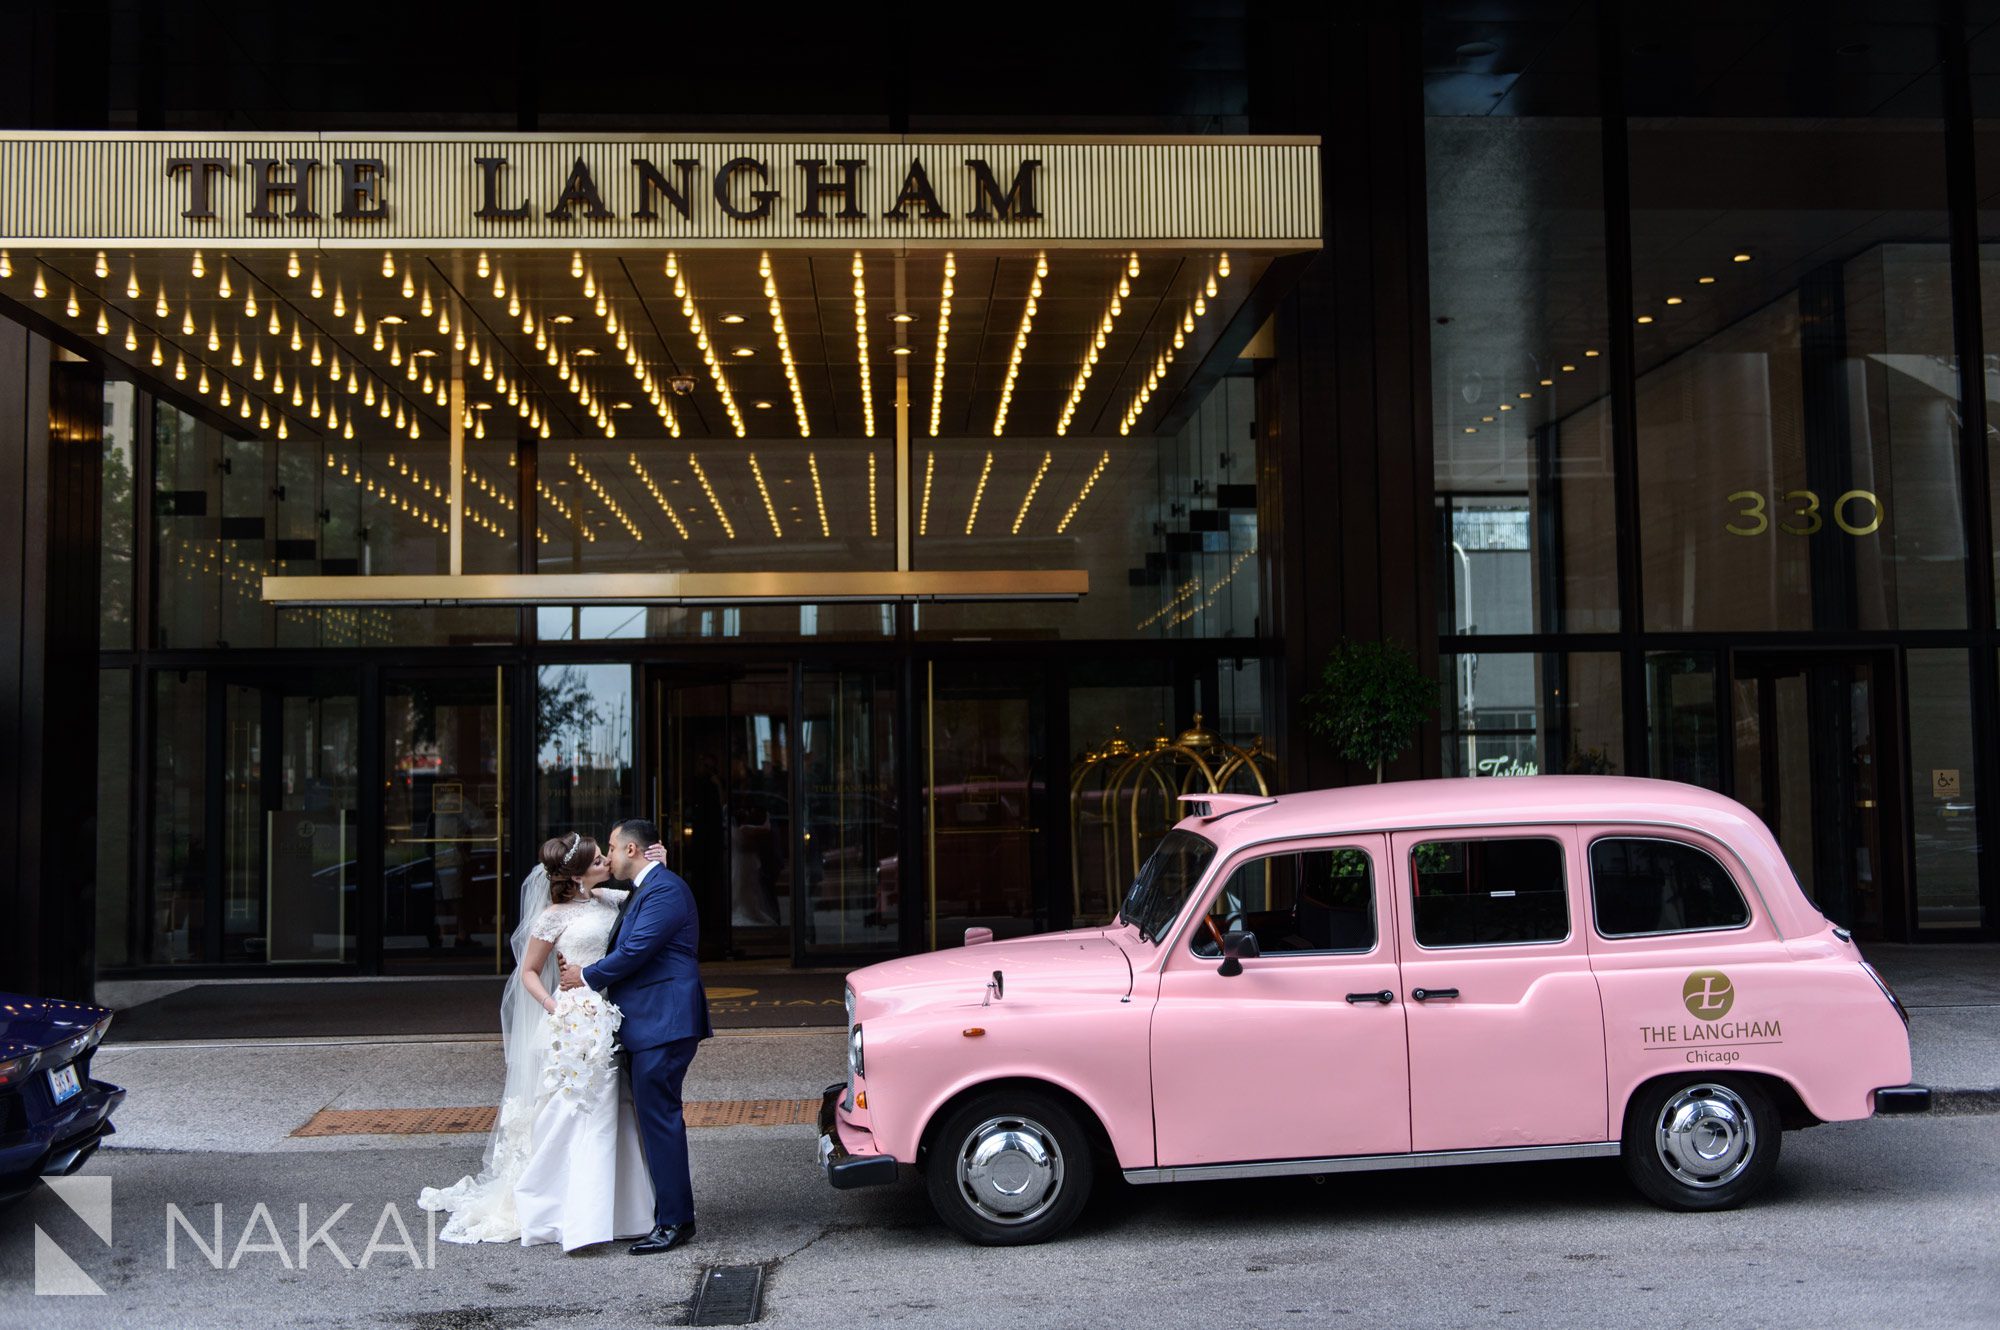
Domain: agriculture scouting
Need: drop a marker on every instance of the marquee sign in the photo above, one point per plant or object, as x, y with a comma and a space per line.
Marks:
169, 190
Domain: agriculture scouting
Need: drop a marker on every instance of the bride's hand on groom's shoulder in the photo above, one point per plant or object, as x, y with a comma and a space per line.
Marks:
656, 853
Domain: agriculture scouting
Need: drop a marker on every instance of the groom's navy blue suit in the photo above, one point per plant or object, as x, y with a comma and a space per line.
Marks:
650, 972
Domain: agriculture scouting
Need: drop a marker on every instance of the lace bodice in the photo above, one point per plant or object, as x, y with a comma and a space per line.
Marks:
580, 929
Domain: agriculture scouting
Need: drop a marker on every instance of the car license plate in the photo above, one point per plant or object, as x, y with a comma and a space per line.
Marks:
64, 1084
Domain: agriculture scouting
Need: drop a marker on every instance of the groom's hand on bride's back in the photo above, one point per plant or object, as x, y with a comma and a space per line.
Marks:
572, 975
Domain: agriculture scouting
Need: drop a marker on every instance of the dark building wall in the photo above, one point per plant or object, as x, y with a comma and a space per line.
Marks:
1344, 408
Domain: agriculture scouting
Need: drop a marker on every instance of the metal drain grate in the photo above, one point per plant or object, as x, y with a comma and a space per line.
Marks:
729, 1295
751, 1112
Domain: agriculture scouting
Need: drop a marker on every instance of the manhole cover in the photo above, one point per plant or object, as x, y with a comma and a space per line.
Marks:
729, 1295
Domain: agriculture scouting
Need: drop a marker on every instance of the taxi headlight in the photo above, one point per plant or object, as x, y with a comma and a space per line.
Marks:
854, 1064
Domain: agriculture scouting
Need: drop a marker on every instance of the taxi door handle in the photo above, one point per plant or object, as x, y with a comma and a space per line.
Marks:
1383, 996
1426, 994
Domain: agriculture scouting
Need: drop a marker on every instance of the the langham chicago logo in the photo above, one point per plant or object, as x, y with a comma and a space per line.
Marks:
1707, 994
1709, 997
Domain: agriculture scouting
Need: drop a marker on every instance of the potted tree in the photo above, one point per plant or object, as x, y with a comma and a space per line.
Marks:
1370, 702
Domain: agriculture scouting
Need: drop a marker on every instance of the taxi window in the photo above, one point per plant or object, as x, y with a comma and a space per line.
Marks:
1476, 893
1303, 901
1640, 885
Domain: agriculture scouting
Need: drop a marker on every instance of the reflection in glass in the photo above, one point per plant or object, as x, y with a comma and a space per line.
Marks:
983, 804
1681, 721
177, 907
584, 779
119, 515
443, 820
1166, 526
1522, 714
1519, 372
1943, 795
1797, 393
113, 833
850, 858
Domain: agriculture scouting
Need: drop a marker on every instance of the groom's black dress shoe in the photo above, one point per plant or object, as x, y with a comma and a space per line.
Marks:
664, 1237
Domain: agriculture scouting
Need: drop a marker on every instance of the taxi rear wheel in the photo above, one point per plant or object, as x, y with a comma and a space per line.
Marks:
1010, 1167
1701, 1142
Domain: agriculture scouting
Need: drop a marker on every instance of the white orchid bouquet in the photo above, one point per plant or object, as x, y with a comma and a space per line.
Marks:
582, 1044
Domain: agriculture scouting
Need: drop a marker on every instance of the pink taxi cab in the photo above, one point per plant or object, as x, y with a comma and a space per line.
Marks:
1389, 976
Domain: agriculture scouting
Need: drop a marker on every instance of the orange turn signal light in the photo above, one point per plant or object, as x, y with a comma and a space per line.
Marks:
861, 1100
973, 1032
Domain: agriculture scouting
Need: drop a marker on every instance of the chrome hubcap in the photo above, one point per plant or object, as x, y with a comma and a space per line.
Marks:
1010, 1169
1705, 1136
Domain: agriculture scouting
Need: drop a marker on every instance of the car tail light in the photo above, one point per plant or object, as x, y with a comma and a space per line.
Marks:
15, 1069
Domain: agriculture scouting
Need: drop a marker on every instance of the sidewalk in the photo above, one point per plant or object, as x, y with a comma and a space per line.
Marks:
437, 1007
1952, 993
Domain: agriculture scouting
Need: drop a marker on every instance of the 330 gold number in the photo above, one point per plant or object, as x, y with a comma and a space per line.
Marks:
1803, 513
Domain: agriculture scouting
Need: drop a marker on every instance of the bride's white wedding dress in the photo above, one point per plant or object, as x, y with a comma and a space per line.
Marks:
565, 1164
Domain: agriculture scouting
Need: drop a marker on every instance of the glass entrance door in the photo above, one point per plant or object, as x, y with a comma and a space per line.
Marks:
848, 851
1813, 759
444, 872
985, 802
284, 800
724, 802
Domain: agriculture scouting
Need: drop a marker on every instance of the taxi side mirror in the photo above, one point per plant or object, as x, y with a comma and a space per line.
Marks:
1237, 946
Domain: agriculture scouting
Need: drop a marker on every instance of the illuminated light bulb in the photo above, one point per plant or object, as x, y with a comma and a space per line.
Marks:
369, 397
378, 342
514, 305
484, 266
159, 353
672, 266
590, 286
275, 328
388, 264
222, 287
180, 367
264, 418
1187, 322
281, 429
160, 306
576, 264
236, 353
360, 323
1041, 266
7, 265
444, 320
103, 325
196, 266
201, 384
292, 264
214, 339
1200, 306
339, 304
425, 307
41, 287
318, 289
409, 285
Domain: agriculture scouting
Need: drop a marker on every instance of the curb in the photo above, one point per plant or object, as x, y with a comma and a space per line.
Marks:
1963, 1103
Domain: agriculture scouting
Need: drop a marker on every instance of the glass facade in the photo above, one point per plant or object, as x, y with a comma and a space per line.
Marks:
337, 787
1703, 503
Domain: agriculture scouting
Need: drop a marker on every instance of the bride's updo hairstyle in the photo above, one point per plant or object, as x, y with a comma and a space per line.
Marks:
565, 859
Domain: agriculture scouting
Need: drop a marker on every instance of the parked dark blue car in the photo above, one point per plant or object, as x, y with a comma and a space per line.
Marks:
52, 1115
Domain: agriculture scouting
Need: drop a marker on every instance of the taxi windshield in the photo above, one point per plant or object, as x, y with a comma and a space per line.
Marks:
1164, 881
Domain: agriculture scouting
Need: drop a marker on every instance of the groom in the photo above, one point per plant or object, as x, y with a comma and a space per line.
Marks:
649, 971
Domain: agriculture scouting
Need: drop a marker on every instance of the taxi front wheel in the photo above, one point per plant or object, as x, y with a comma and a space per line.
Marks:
1701, 1142
1008, 1168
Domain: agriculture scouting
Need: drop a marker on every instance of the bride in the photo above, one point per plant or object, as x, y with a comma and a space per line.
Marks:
564, 1163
